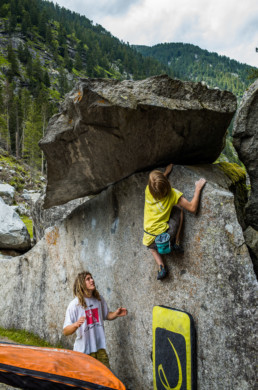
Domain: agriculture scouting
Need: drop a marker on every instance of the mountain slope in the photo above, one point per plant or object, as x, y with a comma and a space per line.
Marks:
44, 49
190, 62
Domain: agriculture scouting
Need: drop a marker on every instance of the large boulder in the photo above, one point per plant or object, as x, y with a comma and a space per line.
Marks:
245, 140
13, 232
108, 129
213, 280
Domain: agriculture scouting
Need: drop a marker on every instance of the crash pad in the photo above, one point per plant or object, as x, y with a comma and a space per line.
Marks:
174, 349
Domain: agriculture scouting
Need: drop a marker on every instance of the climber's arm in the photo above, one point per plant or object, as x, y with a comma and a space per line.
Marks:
192, 206
168, 170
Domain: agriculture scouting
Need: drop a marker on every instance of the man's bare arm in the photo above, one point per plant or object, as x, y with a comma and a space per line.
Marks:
120, 312
70, 329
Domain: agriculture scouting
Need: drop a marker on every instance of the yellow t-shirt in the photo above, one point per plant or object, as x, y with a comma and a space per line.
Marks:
157, 213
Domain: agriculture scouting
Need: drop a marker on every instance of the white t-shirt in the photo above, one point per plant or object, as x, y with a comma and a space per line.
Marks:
90, 335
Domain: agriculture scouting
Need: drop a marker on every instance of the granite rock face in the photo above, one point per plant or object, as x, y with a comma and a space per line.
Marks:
245, 140
251, 239
13, 232
43, 219
107, 130
213, 280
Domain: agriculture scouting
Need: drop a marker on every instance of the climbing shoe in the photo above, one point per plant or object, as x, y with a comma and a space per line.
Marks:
161, 273
177, 248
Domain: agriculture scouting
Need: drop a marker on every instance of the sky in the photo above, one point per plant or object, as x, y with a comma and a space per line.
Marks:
227, 27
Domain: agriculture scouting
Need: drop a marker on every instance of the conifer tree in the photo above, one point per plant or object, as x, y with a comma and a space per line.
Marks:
78, 61
46, 79
63, 82
32, 134
26, 102
26, 23
43, 24
49, 35
14, 67
4, 136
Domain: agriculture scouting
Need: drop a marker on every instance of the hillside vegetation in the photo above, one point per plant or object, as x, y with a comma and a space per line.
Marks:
190, 62
44, 49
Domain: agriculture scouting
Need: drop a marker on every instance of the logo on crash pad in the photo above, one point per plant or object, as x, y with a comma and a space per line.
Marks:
170, 360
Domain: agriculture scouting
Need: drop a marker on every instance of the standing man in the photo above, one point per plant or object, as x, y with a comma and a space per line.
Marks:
85, 315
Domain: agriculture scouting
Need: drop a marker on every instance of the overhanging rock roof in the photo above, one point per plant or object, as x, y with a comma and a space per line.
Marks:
109, 129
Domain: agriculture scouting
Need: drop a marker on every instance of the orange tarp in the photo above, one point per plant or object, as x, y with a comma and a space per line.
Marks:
60, 366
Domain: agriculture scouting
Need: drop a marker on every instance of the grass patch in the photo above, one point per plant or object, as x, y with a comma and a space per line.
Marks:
28, 223
8, 160
17, 182
27, 338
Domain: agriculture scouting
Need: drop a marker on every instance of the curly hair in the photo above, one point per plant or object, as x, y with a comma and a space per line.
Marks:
158, 185
80, 290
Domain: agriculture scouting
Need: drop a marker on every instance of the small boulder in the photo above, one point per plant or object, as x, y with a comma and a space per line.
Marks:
7, 193
13, 232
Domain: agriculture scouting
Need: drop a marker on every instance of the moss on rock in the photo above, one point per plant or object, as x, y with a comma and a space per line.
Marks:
28, 223
233, 171
237, 175
23, 337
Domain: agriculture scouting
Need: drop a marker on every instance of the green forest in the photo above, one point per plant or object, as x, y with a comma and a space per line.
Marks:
189, 62
44, 49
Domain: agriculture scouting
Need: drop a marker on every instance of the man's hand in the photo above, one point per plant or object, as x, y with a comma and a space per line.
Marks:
80, 321
121, 312
71, 329
200, 184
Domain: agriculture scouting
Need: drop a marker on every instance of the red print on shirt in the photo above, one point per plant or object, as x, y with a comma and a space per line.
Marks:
92, 316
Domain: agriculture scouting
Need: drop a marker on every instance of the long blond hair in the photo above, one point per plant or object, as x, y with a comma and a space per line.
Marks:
80, 290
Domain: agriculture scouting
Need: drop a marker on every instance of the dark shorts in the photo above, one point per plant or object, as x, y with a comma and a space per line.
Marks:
174, 222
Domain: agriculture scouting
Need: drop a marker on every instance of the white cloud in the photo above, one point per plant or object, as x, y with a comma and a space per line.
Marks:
98, 8
228, 27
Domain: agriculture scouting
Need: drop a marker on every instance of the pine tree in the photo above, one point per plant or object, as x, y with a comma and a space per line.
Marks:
14, 67
26, 23
68, 62
43, 24
18, 118
49, 35
63, 82
78, 61
32, 134
46, 79
4, 135
26, 102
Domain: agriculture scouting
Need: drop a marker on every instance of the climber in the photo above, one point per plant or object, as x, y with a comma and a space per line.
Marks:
163, 212
85, 316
